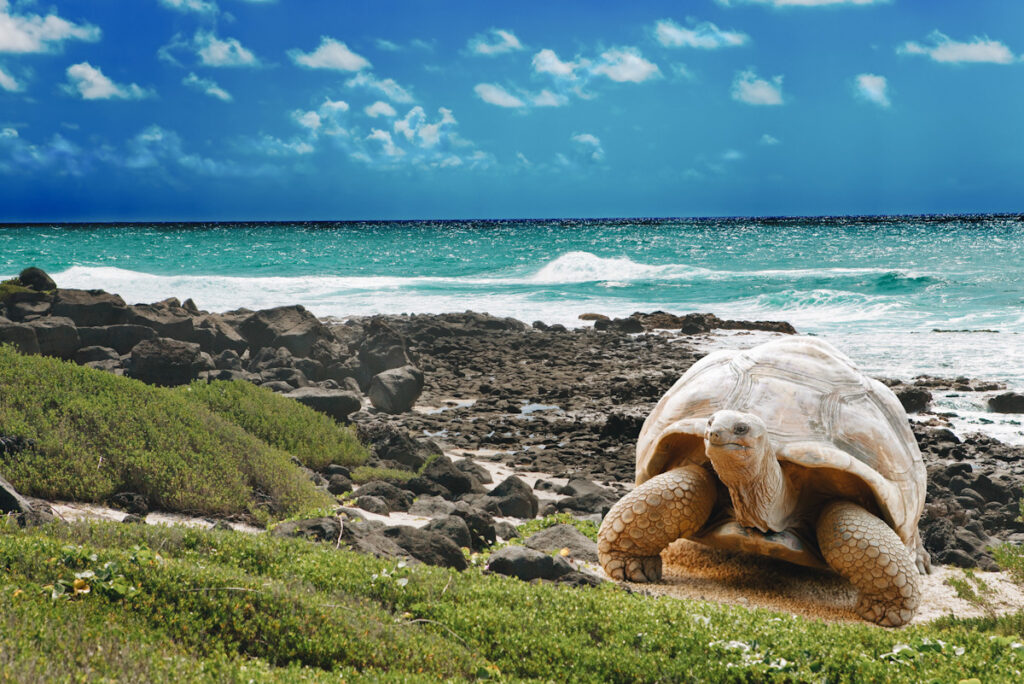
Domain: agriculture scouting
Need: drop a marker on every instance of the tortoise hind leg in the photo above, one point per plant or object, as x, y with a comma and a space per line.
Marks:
652, 516
866, 551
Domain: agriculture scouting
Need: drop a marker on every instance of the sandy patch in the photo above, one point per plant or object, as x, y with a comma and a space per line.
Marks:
696, 572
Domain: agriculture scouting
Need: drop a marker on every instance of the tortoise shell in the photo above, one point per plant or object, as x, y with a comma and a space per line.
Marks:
836, 432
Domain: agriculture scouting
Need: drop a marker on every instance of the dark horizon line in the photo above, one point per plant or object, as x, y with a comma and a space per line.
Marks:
767, 218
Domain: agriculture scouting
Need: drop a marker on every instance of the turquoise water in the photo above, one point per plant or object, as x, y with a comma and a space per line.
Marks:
877, 287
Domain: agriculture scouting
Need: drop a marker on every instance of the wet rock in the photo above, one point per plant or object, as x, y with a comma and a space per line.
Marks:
1009, 402
428, 547
396, 390
560, 537
338, 404
163, 361
527, 564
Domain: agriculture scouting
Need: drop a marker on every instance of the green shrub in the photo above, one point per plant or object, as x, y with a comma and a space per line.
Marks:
587, 527
12, 286
364, 474
96, 434
314, 438
261, 603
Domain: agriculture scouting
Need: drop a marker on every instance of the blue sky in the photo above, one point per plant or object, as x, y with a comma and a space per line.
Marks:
321, 109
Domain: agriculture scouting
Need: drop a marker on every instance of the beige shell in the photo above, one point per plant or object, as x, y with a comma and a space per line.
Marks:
836, 432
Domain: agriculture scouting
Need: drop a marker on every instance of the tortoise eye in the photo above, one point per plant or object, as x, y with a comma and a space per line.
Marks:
740, 429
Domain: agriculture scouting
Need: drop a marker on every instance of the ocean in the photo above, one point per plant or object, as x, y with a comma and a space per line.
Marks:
903, 296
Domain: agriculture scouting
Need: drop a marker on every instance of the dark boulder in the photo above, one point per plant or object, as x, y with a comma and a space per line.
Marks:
396, 390
228, 360
1008, 402
122, 337
513, 498
131, 502
167, 321
163, 361
215, 335
392, 443
383, 348
442, 471
271, 357
262, 328
10, 500
474, 470
28, 305
22, 336
338, 404
373, 504
560, 537
317, 529
96, 353
914, 399
428, 547
396, 499
431, 507
57, 336
89, 307
293, 376
481, 525
527, 564
37, 279
453, 527
279, 386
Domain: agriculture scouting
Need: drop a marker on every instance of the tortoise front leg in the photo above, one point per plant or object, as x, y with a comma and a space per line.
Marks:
866, 551
652, 516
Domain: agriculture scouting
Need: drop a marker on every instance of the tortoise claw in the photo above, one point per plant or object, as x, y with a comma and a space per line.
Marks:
632, 568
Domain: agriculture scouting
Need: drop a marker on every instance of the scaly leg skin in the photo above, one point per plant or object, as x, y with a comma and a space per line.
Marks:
866, 551
652, 516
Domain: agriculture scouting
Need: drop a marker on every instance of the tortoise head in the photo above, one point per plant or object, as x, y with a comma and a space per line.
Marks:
737, 445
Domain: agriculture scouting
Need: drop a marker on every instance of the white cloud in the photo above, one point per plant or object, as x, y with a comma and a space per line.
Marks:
588, 147
732, 155
495, 42
91, 84
28, 33
310, 120
379, 108
872, 88
198, 6
10, 84
546, 98
386, 87
206, 85
387, 45
496, 95
416, 130
682, 71
331, 54
626, 65
58, 155
156, 147
747, 87
801, 3
945, 49
227, 52
705, 35
768, 139
388, 146
547, 62
275, 147
325, 120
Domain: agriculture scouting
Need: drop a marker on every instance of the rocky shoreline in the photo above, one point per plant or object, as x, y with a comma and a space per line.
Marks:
569, 402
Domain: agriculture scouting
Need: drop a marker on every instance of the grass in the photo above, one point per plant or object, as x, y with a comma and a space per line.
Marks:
223, 606
97, 434
587, 527
364, 474
313, 437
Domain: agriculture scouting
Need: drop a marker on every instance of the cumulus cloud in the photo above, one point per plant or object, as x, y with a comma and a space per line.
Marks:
748, 88
227, 52
331, 54
90, 83
496, 95
546, 98
547, 62
387, 45
768, 139
327, 119
30, 33
588, 147
379, 108
197, 6
801, 3
494, 42
415, 128
9, 83
207, 86
57, 155
872, 88
942, 48
276, 147
705, 35
626, 65
386, 87
387, 145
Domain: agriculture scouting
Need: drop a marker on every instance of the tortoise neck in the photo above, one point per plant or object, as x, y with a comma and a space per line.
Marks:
762, 495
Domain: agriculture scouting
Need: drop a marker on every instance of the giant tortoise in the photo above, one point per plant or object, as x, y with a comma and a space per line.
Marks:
785, 450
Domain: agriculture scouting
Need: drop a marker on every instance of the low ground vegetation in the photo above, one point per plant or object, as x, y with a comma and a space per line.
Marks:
224, 606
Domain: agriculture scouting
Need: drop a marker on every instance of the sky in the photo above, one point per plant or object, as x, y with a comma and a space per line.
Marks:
421, 109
